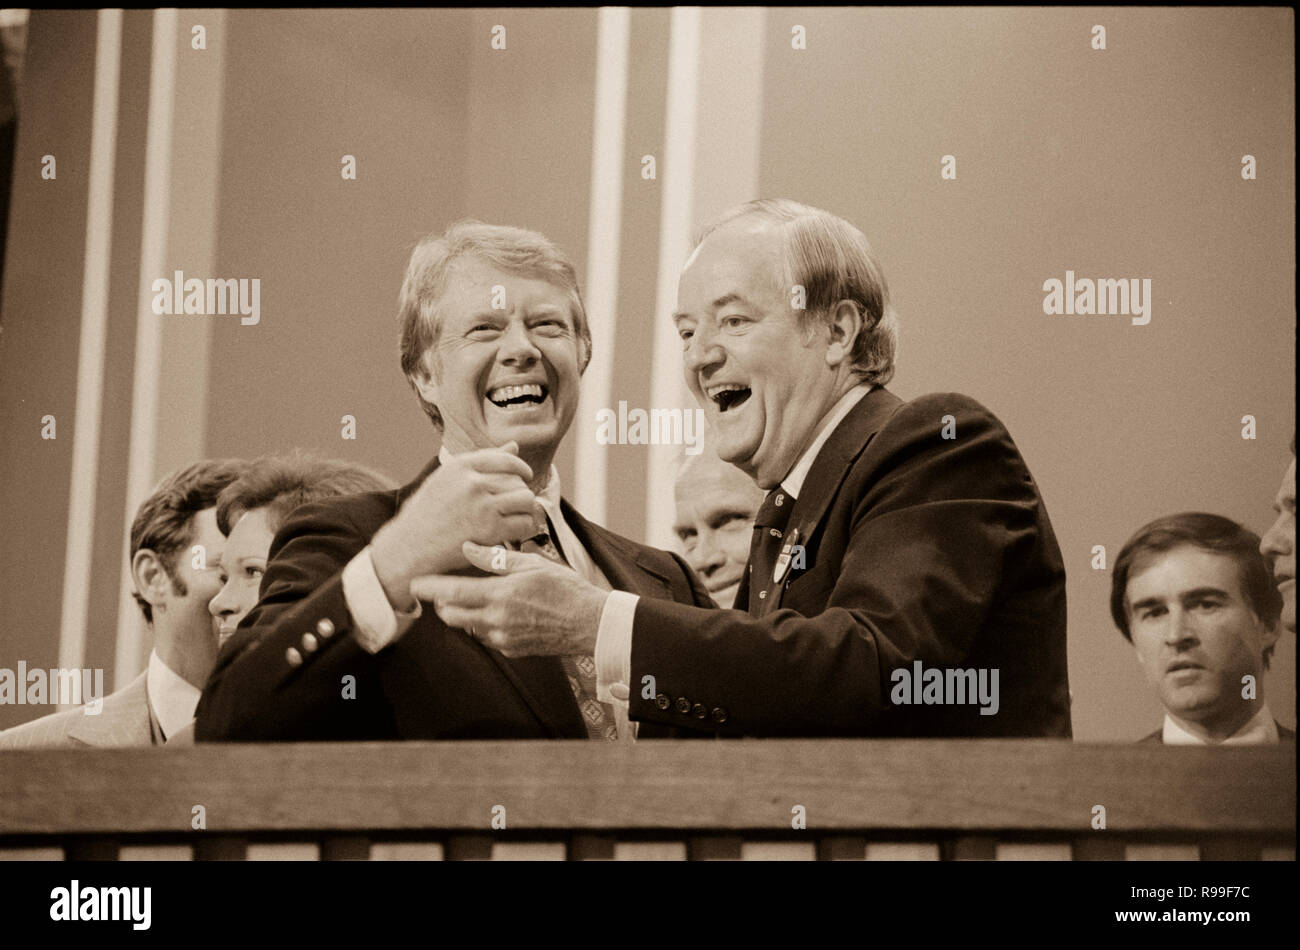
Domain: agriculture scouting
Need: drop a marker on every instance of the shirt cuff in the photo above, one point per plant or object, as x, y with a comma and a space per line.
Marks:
375, 624
614, 647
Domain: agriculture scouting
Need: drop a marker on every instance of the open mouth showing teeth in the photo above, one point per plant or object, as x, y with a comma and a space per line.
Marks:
729, 395
529, 394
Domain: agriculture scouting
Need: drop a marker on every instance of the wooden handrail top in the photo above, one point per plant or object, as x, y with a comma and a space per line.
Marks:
1007, 785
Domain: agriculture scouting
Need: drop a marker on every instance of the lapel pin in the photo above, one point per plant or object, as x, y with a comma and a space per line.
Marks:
783, 562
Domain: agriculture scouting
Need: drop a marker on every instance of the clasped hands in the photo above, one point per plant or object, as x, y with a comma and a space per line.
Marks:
461, 516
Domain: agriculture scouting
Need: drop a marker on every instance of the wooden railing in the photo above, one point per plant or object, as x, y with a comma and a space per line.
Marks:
937, 799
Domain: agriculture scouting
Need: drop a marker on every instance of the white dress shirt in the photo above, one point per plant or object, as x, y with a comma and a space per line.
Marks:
172, 698
1261, 729
614, 636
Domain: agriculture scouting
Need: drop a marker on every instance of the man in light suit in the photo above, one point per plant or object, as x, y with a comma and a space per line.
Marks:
494, 340
1193, 595
175, 550
898, 542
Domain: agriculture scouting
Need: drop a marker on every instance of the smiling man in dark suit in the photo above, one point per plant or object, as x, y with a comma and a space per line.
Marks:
902, 556
494, 340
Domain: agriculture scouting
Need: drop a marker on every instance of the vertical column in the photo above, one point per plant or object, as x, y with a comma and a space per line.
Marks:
148, 343
605, 217
90, 353
179, 222
666, 388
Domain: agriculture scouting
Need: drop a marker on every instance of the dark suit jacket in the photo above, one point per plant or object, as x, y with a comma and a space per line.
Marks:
1283, 734
917, 548
435, 682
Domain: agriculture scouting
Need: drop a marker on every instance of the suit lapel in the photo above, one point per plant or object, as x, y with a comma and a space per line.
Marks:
849, 440
539, 680
124, 720
624, 567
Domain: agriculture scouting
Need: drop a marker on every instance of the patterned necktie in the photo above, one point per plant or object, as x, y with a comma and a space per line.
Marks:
769, 525
598, 717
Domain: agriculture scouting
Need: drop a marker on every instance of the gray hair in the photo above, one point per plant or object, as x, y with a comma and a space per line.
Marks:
832, 260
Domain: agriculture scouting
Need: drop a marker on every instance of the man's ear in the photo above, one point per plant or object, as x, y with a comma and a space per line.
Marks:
423, 379
845, 325
150, 577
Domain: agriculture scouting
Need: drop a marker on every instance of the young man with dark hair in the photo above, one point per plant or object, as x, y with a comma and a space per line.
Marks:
1193, 595
175, 550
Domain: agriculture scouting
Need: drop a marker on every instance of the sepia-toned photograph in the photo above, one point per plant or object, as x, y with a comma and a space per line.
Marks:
440, 434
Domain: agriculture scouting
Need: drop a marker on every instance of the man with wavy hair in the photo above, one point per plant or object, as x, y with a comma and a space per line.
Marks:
175, 550
494, 341
899, 540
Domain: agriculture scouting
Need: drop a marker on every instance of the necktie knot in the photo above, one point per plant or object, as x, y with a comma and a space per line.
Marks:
775, 510
543, 542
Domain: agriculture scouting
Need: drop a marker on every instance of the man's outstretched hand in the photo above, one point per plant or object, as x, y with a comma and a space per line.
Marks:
532, 607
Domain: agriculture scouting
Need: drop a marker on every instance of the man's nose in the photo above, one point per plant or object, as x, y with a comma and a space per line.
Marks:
222, 605
709, 554
517, 347
1274, 542
1181, 629
702, 351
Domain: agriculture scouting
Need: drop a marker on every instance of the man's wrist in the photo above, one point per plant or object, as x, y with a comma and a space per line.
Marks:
392, 577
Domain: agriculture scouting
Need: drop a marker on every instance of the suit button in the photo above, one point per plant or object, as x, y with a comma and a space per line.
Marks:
698, 711
293, 656
325, 627
683, 705
662, 701
308, 643
762, 594
719, 715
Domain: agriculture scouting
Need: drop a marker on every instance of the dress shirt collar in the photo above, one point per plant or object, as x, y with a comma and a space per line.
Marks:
1260, 730
793, 482
171, 697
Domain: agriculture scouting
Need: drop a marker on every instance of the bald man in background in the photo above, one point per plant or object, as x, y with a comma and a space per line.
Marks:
716, 505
